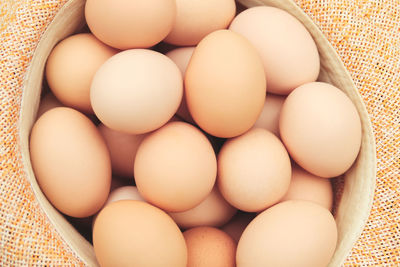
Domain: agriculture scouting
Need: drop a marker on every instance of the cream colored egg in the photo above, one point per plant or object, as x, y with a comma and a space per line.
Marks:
289, 54
181, 56
254, 170
124, 193
321, 129
127, 24
306, 186
291, 233
212, 211
136, 91
127, 192
269, 117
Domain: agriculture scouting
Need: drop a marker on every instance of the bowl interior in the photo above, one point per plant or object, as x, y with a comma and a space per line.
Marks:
355, 195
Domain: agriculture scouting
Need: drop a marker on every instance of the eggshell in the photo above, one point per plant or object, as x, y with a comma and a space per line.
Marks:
71, 161
225, 84
287, 49
306, 186
124, 193
195, 19
269, 117
208, 246
136, 91
235, 227
126, 24
321, 129
291, 233
48, 102
181, 56
122, 149
212, 211
253, 170
134, 233
175, 167
71, 66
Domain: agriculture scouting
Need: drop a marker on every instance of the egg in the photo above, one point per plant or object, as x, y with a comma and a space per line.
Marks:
225, 84
121, 193
291, 233
195, 19
48, 102
289, 54
124, 193
306, 186
71, 66
254, 170
175, 167
181, 56
135, 233
269, 117
122, 149
70, 161
126, 24
136, 91
209, 246
321, 129
235, 227
212, 211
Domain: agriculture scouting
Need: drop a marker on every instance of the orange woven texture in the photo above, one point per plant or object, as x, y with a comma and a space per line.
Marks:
366, 35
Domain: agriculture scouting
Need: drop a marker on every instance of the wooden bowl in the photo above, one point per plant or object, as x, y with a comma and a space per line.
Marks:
355, 194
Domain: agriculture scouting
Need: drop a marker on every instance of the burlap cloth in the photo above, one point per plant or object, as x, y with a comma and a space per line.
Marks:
366, 35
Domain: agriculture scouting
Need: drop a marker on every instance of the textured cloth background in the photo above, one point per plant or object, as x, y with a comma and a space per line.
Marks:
366, 35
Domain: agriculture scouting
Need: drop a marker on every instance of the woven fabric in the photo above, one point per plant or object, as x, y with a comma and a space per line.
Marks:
366, 35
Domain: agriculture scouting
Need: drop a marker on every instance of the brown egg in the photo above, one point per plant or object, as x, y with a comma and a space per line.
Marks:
181, 56
225, 84
71, 66
306, 186
269, 117
288, 51
321, 129
48, 102
146, 91
71, 161
253, 170
291, 233
212, 211
134, 233
122, 149
175, 167
126, 24
196, 19
236, 226
208, 246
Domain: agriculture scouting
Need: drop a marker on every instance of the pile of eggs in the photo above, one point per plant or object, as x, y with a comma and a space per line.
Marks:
224, 139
